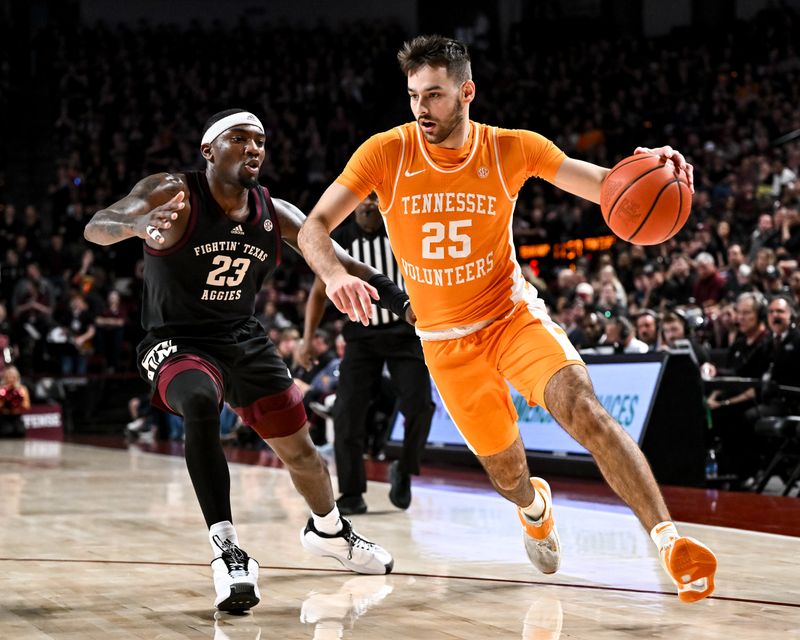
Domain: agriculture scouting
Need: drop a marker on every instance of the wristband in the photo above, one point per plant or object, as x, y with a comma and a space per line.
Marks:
390, 296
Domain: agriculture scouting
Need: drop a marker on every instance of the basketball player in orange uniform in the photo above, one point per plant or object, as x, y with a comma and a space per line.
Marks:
447, 187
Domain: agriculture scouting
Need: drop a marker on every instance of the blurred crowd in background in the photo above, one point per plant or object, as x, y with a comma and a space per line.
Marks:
129, 101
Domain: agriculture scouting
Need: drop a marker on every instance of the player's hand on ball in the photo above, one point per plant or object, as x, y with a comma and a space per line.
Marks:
160, 219
677, 159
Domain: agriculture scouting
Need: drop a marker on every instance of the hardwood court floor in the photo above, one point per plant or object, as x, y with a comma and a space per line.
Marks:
101, 543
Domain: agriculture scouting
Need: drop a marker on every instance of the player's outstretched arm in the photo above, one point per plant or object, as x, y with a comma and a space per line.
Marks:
584, 179
350, 294
581, 178
333, 207
151, 208
292, 221
358, 285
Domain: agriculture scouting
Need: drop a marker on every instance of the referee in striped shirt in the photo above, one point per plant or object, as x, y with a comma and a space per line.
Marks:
388, 340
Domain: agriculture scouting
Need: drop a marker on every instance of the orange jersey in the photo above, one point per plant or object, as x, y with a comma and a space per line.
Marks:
448, 216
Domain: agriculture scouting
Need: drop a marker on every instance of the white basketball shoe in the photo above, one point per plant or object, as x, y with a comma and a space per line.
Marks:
352, 550
541, 538
235, 578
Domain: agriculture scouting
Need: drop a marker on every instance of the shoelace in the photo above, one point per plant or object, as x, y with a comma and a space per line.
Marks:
233, 556
355, 541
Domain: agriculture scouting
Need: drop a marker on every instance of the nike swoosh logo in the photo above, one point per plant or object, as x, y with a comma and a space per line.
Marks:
410, 174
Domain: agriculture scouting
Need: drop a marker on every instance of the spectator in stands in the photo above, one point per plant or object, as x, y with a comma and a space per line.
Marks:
736, 259
144, 419
32, 307
572, 320
78, 329
723, 326
608, 275
320, 394
287, 344
621, 335
675, 332
784, 368
794, 285
772, 284
14, 401
7, 350
110, 331
593, 328
270, 317
10, 273
748, 357
585, 293
10, 227
708, 287
789, 230
760, 235
56, 262
678, 287
565, 283
765, 258
609, 303
647, 328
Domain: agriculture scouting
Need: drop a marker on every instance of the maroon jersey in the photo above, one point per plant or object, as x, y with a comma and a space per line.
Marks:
207, 283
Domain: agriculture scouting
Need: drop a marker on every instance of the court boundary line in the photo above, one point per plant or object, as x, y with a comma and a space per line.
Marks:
590, 587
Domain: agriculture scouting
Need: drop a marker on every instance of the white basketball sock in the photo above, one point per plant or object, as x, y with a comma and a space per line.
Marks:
330, 523
224, 531
535, 510
663, 534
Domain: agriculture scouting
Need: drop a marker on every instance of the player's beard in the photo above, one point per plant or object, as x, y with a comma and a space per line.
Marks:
446, 127
248, 182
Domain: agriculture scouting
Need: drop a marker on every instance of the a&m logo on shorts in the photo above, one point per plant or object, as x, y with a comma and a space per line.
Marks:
483, 172
267, 225
156, 356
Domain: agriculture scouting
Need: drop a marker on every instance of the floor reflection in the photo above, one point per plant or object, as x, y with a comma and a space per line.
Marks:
543, 620
333, 613
236, 627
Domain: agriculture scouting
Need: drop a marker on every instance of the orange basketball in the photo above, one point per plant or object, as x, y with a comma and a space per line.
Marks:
643, 201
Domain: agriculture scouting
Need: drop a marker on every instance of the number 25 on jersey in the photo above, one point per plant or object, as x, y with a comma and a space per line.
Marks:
459, 245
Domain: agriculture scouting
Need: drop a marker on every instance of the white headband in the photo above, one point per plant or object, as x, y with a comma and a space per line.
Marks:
228, 122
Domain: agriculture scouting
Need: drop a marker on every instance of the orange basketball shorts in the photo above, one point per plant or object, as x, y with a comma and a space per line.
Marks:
524, 348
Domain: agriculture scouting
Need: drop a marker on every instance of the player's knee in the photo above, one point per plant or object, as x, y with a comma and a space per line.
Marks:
193, 395
511, 479
509, 475
302, 456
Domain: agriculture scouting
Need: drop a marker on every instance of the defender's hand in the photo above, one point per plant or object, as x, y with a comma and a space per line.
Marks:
160, 218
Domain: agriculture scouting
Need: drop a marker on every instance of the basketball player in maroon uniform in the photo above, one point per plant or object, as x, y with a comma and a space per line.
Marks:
210, 240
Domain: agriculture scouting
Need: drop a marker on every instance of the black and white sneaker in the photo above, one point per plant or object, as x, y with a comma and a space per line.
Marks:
354, 552
235, 578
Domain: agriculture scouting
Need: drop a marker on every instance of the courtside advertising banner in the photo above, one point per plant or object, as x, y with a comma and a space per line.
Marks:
624, 389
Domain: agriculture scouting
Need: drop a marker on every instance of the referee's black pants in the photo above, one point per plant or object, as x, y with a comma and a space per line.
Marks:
359, 382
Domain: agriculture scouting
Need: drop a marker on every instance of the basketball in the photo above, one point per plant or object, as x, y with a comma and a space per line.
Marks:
643, 201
